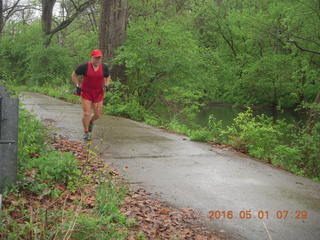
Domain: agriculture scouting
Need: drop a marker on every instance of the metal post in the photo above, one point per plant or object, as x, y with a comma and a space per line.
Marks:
9, 114
0, 114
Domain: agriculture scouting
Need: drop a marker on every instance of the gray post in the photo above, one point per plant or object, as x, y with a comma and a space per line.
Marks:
9, 115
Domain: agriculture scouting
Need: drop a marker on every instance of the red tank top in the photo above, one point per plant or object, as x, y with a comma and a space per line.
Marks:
93, 80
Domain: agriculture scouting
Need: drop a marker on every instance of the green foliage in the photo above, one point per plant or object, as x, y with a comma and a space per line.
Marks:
30, 62
185, 102
216, 129
309, 147
14, 230
56, 167
272, 81
55, 66
200, 135
287, 156
278, 142
178, 127
250, 51
141, 236
108, 222
80, 42
43, 225
152, 120
95, 228
109, 196
131, 109
157, 54
31, 136
40, 169
125, 105
257, 134
34, 155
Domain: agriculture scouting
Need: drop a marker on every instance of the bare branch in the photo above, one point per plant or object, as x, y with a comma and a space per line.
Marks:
74, 5
12, 10
68, 21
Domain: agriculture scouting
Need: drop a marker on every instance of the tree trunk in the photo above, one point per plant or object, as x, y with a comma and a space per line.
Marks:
1, 17
113, 25
47, 8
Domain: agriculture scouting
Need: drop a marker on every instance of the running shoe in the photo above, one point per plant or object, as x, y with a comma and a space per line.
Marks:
86, 136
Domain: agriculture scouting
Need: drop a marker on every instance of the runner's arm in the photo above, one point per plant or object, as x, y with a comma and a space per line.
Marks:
106, 75
107, 81
80, 71
75, 79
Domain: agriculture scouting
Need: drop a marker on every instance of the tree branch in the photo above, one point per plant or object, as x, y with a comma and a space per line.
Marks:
74, 5
68, 21
303, 49
306, 39
12, 10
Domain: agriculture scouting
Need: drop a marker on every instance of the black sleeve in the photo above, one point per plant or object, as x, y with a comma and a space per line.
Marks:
105, 70
82, 69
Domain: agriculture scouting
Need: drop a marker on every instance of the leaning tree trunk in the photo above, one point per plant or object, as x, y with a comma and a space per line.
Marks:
113, 25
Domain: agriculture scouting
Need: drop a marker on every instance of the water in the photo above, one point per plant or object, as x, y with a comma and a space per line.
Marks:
226, 113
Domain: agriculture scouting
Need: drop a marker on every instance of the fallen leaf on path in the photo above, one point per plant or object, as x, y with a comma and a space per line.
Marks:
164, 211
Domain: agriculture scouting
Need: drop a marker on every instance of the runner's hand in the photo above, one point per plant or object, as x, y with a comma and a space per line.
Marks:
106, 88
78, 90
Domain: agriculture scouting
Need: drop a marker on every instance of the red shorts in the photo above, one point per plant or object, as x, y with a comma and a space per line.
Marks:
93, 96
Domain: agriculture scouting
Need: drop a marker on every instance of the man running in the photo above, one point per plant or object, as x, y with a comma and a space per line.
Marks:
96, 80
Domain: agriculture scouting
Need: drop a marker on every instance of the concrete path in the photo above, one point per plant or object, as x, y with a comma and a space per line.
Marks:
189, 174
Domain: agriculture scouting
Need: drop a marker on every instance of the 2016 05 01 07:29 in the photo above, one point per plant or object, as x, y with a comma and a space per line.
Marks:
260, 214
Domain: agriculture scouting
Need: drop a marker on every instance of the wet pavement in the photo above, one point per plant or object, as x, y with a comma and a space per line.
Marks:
265, 202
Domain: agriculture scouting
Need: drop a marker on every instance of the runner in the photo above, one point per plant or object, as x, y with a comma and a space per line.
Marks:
95, 81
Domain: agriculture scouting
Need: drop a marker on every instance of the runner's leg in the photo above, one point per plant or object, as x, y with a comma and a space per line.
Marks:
87, 111
97, 110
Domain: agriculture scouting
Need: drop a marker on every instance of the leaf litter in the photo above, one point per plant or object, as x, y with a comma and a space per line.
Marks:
153, 219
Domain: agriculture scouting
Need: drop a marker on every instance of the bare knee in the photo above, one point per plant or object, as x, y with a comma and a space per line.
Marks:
86, 114
97, 116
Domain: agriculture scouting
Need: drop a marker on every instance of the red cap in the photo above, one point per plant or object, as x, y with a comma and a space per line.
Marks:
96, 53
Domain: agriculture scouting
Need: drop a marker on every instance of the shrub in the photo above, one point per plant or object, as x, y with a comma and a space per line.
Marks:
257, 134
216, 129
286, 156
109, 196
94, 228
174, 125
200, 135
309, 146
23, 53
31, 136
122, 104
56, 167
